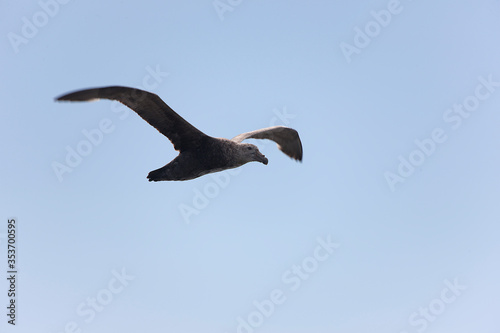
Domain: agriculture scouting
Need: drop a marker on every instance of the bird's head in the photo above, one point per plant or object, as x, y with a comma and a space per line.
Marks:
250, 153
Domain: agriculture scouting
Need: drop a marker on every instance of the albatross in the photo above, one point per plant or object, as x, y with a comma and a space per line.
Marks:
199, 154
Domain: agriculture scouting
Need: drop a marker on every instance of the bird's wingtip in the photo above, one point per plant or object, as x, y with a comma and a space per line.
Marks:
62, 98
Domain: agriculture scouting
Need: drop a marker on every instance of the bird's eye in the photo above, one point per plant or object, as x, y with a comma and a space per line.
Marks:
249, 148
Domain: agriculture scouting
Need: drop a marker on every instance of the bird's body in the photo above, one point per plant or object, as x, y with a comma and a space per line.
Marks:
200, 154
212, 155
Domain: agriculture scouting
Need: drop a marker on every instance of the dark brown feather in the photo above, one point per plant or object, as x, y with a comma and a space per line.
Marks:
287, 138
151, 108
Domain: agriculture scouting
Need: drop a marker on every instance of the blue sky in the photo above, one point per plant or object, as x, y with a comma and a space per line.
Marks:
390, 224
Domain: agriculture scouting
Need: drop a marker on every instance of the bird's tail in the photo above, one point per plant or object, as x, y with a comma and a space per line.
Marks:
158, 175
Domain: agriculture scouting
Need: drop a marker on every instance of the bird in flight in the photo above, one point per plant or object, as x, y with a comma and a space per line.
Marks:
199, 154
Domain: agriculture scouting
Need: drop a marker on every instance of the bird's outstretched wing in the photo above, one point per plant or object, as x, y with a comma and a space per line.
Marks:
288, 139
150, 107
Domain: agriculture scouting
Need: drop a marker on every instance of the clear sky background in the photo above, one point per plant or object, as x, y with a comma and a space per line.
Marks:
398, 108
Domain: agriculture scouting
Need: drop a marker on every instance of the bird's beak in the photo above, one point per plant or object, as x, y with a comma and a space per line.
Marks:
261, 158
